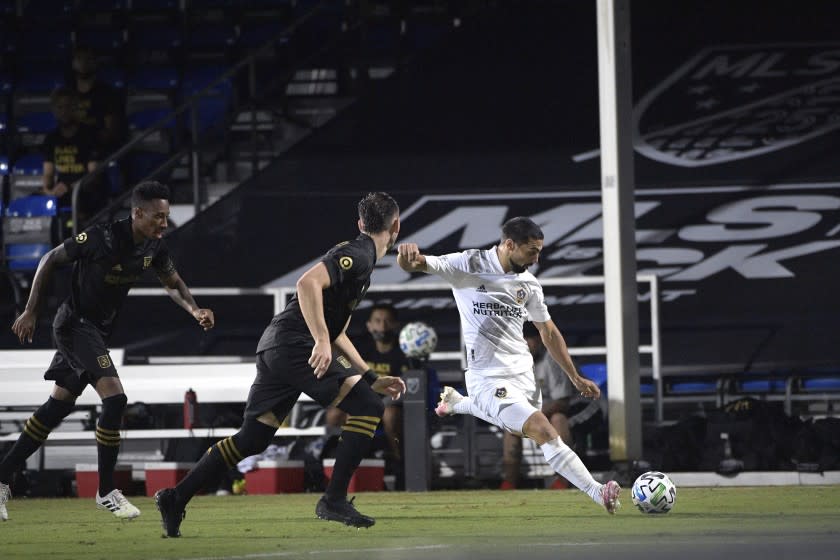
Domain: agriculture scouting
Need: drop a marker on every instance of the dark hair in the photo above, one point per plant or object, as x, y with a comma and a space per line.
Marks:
146, 191
63, 92
521, 230
376, 210
389, 307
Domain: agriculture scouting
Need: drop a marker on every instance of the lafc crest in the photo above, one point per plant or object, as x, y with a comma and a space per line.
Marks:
147, 262
104, 361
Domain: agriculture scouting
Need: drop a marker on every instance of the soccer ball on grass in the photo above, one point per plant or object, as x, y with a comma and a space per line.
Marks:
653, 492
418, 340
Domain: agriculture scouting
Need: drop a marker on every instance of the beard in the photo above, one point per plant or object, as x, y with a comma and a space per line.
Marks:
518, 268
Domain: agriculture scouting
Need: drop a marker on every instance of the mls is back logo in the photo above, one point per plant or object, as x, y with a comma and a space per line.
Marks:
735, 102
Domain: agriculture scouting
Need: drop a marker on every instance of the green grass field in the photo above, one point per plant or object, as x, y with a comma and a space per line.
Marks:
440, 524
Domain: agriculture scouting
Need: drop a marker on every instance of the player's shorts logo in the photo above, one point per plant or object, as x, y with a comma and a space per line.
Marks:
735, 102
345, 363
346, 263
412, 385
147, 262
104, 361
501, 393
81, 238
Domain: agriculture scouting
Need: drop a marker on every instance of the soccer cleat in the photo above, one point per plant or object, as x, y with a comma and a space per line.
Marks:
609, 496
343, 512
449, 397
5, 495
170, 514
115, 502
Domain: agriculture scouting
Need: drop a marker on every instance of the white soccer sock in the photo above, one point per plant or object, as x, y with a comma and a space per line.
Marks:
567, 463
463, 406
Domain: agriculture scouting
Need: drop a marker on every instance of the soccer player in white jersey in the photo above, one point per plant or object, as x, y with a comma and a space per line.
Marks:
495, 295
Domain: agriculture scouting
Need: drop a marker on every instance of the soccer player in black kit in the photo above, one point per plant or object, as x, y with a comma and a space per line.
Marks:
295, 355
107, 260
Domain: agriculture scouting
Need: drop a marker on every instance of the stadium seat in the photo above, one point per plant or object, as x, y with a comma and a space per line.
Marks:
27, 174
28, 231
113, 76
41, 122
160, 140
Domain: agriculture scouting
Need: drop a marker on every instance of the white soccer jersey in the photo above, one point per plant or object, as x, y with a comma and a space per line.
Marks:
493, 306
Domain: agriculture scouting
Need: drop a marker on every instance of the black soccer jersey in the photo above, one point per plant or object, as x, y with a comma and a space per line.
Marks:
107, 263
393, 362
350, 265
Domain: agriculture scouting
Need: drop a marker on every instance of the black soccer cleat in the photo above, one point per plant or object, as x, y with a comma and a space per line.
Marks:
170, 514
343, 512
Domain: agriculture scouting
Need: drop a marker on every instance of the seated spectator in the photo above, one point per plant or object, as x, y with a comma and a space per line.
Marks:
556, 390
381, 351
100, 105
69, 154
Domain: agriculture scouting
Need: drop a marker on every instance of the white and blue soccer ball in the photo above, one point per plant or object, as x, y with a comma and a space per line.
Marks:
654, 492
418, 340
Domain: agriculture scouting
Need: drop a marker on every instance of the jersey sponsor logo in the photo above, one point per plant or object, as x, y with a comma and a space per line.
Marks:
343, 362
495, 309
81, 238
104, 361
501, 393
346, 263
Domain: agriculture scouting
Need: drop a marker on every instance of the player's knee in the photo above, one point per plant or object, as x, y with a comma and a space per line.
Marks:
362, 401
52, 412
251, 439
116, 403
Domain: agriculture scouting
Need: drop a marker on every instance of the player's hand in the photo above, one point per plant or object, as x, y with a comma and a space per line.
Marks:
205, 318
24, 326
389, 385
60, 189
408, 255
321, 358
587, 388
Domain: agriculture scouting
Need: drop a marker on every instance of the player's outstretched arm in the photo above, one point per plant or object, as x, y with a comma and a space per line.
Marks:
410, 259
180, 294
24, 325
556, 346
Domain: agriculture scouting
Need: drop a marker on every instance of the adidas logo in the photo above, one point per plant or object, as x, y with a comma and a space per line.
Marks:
481, 289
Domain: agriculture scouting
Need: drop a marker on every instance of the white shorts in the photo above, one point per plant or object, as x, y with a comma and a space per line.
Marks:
506, 402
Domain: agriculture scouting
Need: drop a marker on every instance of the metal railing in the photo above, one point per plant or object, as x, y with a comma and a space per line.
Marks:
190, 108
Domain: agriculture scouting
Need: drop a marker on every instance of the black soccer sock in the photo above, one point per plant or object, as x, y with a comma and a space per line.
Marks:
35, 433
252, 438
365, 408
108, 440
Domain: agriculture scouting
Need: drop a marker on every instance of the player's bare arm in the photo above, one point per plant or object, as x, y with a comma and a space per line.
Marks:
409, 258
24, 325
310, 292
180, 294
556, 346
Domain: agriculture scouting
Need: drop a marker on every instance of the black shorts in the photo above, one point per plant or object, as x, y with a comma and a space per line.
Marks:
283, 373
81, 358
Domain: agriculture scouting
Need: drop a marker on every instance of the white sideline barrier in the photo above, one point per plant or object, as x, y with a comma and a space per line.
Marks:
22, 385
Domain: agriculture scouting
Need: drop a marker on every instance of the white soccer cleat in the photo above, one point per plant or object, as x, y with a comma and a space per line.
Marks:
609, 496
5, 496
116, 503
449, 397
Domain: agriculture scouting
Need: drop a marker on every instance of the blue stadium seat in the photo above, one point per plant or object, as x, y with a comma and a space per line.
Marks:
154, 78
46, 45
107, 40
25, 243
598, 373
155, 37
141, 120
29, 164
141, 164
113, 76
39, 79
36, 123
